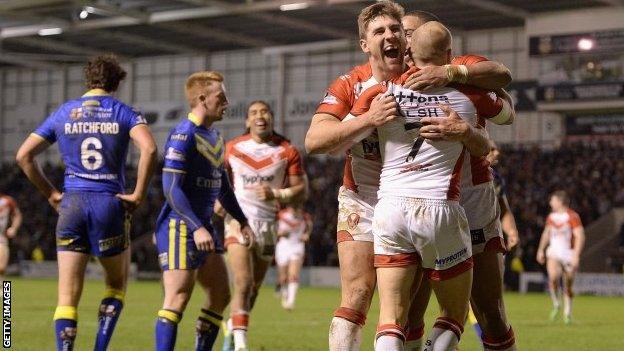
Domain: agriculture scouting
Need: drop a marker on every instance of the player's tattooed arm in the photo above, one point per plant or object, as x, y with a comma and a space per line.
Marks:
541, 249
489, 75
144, 141
26, 159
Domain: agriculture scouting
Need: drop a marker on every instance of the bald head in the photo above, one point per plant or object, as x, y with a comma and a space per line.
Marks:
431, 44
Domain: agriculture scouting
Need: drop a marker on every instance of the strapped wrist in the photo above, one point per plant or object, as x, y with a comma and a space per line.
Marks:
457, 73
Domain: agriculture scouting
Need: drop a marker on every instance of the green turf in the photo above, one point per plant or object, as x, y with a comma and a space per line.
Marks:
598, 325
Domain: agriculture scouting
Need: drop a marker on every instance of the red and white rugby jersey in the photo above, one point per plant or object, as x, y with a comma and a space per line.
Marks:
294, 224
561, 226
7, 206
412, 166
363, 162
252, 164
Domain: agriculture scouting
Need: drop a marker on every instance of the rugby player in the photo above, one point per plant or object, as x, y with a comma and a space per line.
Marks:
565, 237
294, 228
418, 220
330, 131
478, 198
9, 214
260, 163
193, 178
93, 133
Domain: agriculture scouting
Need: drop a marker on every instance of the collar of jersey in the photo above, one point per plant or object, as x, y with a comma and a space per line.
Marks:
96, 92
193, 118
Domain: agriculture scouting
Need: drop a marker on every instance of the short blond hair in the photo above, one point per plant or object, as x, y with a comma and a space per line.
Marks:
382, 8
197, 83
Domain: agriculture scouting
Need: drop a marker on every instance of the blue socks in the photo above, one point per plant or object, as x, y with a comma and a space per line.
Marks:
65, 327
110, 308
167, 329
207, 329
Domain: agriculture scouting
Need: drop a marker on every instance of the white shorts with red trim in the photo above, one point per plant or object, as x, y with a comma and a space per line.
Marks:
561, 255
355, 216
265, 232
286, 251
483, 214
434, 232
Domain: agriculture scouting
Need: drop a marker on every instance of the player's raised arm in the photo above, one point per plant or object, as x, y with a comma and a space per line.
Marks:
144, 141
26, 159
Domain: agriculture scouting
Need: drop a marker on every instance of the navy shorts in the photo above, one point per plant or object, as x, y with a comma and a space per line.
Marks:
176, 247
92, 223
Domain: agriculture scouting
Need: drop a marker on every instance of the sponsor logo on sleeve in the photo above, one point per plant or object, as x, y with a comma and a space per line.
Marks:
329, 99
174, 155
179, 137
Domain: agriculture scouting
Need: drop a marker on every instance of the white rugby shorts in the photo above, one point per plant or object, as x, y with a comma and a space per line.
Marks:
355, 216
483, 213
433, 233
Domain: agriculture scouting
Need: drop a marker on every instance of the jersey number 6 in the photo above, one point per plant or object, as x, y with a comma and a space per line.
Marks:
90, 157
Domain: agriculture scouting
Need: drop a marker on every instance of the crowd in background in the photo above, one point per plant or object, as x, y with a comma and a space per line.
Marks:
592, 173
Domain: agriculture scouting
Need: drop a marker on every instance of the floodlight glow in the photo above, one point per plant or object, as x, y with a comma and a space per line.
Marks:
83, 14
50, 31
294, 6
585, 44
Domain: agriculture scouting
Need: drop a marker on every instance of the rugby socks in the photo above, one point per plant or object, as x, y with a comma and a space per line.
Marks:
207, 329
167, 329
65, 326
506, 342
445, 335
293, 286
345, 331
554, 296
240, 322
414, 338
110, 309
567, 307
389, 337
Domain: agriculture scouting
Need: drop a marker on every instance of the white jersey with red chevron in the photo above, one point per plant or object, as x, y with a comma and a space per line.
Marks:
252, 164
293, 224
561, 226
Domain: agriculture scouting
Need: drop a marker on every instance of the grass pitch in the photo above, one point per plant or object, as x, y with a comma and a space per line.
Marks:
598, 324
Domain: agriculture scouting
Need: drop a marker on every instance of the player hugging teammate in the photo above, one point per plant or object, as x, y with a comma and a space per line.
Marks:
421, 151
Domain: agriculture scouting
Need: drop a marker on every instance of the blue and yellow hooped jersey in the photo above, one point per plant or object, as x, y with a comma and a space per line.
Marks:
93, 133
197, 152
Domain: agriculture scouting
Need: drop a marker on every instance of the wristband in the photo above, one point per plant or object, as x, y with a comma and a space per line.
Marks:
457, 73
283, 194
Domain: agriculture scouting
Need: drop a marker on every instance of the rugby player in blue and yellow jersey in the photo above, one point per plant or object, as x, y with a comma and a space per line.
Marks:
194, 177
93, 133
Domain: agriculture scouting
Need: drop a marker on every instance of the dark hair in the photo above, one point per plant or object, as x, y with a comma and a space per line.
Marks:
563, 196
275, 134
424, 16
104, 72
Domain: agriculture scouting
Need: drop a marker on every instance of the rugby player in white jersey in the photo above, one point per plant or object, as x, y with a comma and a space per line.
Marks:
294, 228
330, 131
418, 220
565, 237
479, 199
265, 169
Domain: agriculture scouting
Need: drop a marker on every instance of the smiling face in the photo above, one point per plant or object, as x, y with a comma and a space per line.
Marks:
259, 120
384, 42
